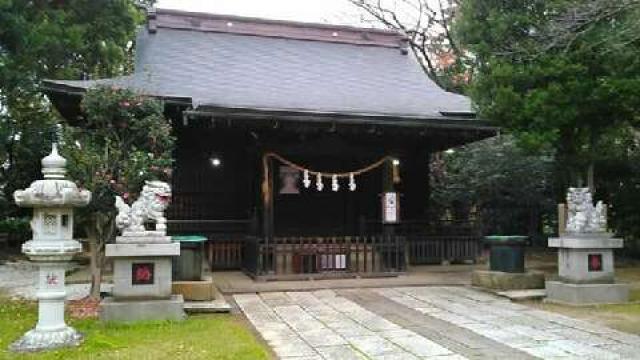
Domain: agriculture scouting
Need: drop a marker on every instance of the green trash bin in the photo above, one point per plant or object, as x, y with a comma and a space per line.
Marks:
188, 266
507, 253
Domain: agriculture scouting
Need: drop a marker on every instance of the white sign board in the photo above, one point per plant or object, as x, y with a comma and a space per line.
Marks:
390, 208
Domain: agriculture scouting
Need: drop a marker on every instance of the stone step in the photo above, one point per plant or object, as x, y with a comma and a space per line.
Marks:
522, 295
219, 305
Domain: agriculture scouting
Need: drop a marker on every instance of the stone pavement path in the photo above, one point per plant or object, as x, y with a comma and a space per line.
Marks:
455, 338
538, 333
423, 323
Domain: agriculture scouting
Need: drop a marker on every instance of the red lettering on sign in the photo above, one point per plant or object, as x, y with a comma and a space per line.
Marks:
52, 279
143, 273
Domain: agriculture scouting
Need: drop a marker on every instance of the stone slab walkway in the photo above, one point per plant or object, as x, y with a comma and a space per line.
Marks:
423, 323
458, 339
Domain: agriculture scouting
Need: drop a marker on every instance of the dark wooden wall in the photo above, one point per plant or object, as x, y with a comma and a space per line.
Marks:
202, 191
232, 191
327, 212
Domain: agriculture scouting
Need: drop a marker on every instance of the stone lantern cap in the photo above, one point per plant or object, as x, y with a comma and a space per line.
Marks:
54, 190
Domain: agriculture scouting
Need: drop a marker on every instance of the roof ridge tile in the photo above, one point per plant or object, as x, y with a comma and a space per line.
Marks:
206, 22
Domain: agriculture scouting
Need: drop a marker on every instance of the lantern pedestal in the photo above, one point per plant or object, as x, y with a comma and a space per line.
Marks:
39, 339
51, 331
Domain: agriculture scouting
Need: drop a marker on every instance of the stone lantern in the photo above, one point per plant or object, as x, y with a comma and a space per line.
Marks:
51, 248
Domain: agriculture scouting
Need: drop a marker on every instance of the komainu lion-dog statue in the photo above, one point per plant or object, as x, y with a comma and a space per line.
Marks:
150, 206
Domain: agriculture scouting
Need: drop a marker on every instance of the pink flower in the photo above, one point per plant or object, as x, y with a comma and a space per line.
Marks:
125, 195
125, 104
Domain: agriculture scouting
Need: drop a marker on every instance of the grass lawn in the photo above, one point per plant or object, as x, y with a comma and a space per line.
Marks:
211, 336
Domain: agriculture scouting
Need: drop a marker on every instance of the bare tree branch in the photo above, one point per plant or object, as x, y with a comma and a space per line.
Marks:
427, 30
582, 18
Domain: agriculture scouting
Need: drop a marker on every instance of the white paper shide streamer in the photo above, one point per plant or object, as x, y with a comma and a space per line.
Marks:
305, 179
319, 184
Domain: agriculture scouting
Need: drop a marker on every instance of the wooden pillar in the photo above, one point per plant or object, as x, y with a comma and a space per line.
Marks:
267, 197
254, 190
267, 210
562, 219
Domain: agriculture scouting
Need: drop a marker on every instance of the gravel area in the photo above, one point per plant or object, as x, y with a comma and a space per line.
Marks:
15, 275
18, 280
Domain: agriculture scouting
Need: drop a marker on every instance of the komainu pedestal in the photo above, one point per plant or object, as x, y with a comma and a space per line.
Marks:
142, 261
585, 256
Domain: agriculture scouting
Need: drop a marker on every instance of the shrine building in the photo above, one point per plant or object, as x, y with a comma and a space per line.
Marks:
302, 150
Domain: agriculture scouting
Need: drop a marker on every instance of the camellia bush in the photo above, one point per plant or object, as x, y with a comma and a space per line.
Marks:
122, 140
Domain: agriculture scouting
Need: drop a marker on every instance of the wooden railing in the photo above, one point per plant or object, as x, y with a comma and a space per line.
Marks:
324, 257
436, 249
229, 248
438, 241
225, 243
435, 242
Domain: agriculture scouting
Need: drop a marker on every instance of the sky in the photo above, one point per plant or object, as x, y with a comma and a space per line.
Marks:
323, 11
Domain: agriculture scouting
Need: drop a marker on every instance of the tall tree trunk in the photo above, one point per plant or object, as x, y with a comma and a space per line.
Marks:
568, 170
590, 178
593, 140
100, 232
95, 267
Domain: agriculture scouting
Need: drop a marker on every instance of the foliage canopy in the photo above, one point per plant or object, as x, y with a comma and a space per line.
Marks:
509, 190
556, 71
59, 40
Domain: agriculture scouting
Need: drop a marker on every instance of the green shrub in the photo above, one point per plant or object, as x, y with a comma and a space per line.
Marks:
16, 226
